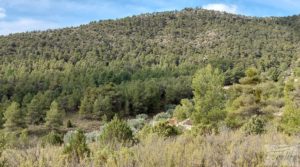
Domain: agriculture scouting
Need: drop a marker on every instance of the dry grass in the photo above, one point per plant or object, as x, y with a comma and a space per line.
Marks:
77, 122
226, 149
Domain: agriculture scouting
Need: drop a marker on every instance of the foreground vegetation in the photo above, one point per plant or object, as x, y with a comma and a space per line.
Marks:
225, 149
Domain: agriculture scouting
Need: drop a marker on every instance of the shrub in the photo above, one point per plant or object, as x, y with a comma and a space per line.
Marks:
144, 132
184, 110
24, 138
256, 125
77, 147
141, 116
19, 140
290, 122
68, 135
136, 124
116, 131
162, 116
252, 77
69, 124
170, 107
92, 136
53, 138
204, 129
104, 119
164, 129
102, 156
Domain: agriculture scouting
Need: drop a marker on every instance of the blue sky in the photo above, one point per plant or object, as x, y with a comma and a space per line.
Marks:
28, 15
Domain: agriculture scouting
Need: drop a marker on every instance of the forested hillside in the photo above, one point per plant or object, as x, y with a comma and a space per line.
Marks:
217, 69
163, 48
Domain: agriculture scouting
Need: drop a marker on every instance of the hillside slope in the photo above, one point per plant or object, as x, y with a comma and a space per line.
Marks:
150, 58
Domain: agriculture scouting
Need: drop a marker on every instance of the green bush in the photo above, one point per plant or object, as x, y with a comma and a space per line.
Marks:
24, 138
53, 138
252, 77
204, 129
69, 124
162, 116
77, 147
116, 131
164, 129
144, 132
18, 139
290, 122
141, 116
92, 136
184, 110
256, 125
136, 124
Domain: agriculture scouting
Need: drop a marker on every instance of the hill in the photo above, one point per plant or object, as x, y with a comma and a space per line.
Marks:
150, 90
166, 47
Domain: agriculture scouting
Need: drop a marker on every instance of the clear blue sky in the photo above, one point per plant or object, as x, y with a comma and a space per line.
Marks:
28, 15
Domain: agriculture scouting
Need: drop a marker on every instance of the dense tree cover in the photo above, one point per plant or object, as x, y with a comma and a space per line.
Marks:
105, 100
250, 105
141, 64
37, 107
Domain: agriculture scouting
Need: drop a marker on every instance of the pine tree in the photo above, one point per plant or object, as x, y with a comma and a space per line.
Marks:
4, 103
54, 117
85, 107
14, 117
208, 96
34, 112
247, 101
